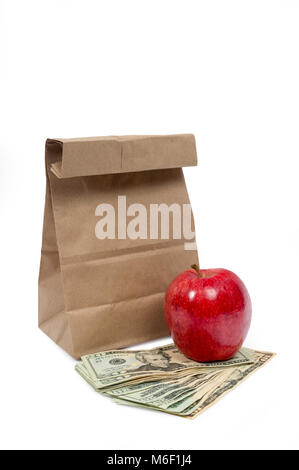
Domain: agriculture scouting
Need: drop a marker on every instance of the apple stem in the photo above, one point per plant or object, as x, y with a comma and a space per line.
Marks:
196, 267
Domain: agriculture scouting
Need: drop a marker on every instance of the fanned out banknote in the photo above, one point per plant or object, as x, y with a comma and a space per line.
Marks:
163, 379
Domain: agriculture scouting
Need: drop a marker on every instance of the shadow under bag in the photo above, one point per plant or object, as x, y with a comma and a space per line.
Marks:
97, 294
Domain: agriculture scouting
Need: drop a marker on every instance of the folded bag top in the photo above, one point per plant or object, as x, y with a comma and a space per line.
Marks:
108, 292
107, 155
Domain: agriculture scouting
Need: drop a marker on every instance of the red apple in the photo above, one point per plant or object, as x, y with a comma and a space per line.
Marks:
208, 313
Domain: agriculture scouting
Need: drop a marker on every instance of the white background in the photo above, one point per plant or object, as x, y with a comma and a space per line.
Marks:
226, 71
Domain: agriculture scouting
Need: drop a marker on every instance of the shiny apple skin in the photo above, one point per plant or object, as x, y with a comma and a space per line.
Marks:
208, 317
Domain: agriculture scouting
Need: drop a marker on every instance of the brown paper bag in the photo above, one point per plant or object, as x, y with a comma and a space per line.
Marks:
97, 294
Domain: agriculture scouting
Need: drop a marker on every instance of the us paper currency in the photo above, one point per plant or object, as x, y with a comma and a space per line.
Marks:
193, 405
163, 379
111, 367
163, 395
